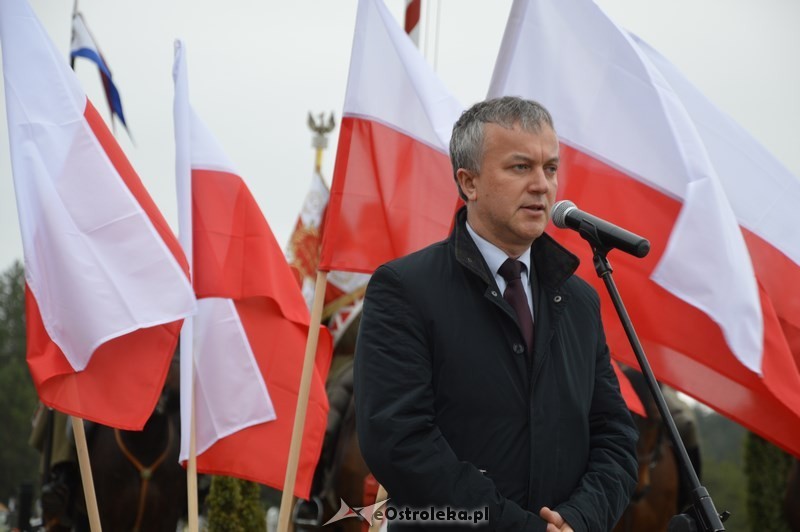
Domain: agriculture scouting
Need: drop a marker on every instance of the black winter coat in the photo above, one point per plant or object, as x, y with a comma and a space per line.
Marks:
452, 411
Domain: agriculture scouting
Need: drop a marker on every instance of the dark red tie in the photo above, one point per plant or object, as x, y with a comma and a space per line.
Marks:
516, 297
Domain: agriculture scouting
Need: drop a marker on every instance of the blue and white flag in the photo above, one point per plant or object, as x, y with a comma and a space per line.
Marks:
83, 45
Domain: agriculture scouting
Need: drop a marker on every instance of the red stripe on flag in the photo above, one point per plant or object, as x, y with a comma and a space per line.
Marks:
121, 384
236, 256
412, 15
234, 249
391, 195
260, 453
685, 347
775, 272
124, 378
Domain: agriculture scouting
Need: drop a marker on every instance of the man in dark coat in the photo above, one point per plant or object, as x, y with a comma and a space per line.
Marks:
467, 399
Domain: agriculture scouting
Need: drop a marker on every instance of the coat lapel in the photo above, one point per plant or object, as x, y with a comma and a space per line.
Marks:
551, 265
468, 255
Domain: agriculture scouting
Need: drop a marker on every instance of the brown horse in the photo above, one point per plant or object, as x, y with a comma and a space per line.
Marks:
347, 472
342, 474
655, 500
138, 482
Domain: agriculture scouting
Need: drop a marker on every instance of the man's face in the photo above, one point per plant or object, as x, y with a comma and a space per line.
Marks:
509, 200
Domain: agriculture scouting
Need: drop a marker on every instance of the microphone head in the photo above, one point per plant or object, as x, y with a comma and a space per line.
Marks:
559, 213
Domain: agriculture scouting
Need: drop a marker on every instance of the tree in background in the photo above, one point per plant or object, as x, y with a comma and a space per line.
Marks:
722, 449
234, 506
18, 400
253, 515
767, 469
223, 502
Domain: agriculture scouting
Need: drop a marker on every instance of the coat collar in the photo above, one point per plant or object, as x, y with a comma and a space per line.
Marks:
552, 263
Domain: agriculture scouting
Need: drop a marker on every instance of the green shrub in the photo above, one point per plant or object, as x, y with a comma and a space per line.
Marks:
235, 506
767, 469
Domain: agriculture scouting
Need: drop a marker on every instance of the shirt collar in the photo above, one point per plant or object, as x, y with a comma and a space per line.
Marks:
494, 256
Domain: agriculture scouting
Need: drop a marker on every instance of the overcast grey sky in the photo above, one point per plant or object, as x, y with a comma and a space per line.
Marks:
256, 68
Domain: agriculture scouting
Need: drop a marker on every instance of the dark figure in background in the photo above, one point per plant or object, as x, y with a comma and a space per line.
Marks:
61, 484
791, 504
478, 388
657, 495
139, 484
686, 423
341, 473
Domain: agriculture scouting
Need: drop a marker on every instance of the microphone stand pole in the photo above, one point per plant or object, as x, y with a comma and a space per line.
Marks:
701, 516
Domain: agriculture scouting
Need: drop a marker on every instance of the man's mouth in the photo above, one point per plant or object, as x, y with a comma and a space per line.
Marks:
535, 208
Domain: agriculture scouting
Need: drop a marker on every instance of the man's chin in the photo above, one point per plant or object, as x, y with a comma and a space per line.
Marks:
531, 233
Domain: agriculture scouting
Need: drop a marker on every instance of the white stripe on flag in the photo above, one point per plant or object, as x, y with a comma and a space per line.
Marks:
230, 394
387, 77
611, 102
93, 259
229, 389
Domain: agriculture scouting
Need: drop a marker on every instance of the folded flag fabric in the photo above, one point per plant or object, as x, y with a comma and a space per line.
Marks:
716, 301
250, 335
107, 281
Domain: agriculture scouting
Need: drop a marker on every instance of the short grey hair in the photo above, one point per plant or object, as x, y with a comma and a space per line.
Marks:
466, 142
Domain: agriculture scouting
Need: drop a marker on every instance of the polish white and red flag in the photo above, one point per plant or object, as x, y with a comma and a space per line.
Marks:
250, 332
393, 190
107, 282
345, 290
717, 301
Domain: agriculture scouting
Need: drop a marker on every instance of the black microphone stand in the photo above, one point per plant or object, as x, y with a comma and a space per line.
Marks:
701, 516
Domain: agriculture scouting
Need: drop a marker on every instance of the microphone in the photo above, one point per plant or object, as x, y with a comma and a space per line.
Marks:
600, 232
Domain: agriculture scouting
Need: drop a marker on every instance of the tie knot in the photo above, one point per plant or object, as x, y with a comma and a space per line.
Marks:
510, 270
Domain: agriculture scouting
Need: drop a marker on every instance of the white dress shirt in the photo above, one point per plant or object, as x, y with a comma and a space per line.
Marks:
495, 257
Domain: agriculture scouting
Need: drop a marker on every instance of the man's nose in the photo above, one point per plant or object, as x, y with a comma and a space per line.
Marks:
538, 181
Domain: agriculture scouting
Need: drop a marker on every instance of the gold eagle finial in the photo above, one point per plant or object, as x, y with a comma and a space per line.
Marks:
321, 129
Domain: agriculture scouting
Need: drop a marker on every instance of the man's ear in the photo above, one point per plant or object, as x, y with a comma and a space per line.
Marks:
466, 180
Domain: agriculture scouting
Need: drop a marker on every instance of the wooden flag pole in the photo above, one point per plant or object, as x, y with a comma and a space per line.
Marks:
287, 499
191, 473
86, 473
187, 379
183, 180
319, 143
